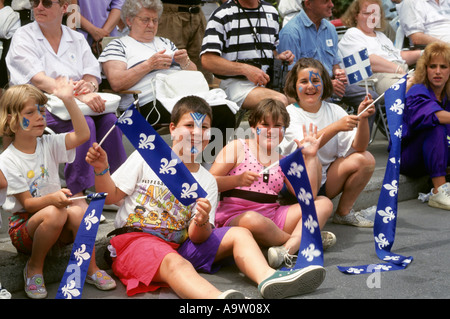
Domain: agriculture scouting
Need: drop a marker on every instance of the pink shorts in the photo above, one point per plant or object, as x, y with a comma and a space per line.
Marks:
231, 207
140, 254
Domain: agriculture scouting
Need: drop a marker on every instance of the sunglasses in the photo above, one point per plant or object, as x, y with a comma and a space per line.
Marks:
46, 3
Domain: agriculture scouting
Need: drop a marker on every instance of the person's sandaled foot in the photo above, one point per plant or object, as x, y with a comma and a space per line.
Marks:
101, 280
34, 286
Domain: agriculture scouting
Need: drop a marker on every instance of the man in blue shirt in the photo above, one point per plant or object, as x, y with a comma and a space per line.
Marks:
310, 35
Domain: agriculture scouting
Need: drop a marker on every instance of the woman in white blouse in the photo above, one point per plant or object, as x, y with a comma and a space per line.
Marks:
366, 21
45, 49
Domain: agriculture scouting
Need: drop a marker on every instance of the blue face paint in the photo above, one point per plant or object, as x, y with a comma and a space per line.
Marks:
194, 150
198, 118
258, 131
25, 123
315, 75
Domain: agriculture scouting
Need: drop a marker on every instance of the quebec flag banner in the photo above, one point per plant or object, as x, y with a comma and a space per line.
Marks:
72, 283
357, 66
160, 157
311, 249
386, 214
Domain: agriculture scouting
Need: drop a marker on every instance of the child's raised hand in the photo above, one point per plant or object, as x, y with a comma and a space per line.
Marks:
248, 178
64, 88
97, 158
310, 143
202, 211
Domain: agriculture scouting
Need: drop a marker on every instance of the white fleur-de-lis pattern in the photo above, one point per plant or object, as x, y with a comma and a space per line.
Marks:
168, 167
71, 285
70, 290
311, 251
386, 216
189, 191
159, 156
90, 220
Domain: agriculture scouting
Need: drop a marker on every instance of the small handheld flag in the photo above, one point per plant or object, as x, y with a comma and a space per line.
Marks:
72, 283
357, 66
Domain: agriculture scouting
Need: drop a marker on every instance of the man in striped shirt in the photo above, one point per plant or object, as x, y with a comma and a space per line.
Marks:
239, 46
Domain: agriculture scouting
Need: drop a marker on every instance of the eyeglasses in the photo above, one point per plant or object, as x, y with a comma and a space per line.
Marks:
146, 21
46, 3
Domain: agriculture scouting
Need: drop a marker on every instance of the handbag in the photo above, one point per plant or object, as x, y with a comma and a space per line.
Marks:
57, 107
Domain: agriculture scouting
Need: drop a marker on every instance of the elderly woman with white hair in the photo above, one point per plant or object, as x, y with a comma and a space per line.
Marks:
137, 61
46, 49
130, 62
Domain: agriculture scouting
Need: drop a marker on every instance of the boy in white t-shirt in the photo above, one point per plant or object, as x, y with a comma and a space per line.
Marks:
161, 242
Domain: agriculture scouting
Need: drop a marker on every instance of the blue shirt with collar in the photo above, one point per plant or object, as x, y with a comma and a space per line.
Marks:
304, 40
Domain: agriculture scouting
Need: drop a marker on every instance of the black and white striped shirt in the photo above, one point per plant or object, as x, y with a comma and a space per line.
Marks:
243, 35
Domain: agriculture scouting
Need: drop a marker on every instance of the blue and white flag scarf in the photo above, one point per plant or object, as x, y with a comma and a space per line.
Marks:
160, 157
311, 250
386, 216
72, 283
357, 66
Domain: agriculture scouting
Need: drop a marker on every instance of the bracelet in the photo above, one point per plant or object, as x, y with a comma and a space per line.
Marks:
95, 86
201, 224
187, 64
396, 70
103, 172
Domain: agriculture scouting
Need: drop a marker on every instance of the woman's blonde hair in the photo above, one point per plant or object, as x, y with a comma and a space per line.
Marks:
13, 102
432, 50
349, 17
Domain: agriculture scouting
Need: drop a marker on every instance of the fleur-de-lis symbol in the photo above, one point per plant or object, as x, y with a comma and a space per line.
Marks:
396, 86
353, 270
388, 214
304, 196
311, 252
146, 141
382, 267
81, 254
69, 290
168, 167
398, 132
296, 170
392, 188
189, 190
397, 107
90, 220
381, 241
311, 224
125, 118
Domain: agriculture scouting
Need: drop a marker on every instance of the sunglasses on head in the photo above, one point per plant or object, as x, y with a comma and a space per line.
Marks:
46, 3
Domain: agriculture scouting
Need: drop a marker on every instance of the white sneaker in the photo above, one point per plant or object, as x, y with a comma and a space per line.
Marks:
4, 294
353, 218
231, 294
442, 198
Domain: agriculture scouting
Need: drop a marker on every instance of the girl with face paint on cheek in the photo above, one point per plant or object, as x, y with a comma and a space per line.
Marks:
347, 166
250, 189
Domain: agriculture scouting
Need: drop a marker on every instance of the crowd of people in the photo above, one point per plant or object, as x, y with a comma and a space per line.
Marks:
47, 56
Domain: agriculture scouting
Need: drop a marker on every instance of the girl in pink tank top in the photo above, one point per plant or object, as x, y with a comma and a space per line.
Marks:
249, 199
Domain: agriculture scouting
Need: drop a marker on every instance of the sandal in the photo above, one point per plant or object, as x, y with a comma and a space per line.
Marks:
101, 280
34, 286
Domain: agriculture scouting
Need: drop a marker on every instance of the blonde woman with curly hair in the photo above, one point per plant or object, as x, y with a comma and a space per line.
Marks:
426, 123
